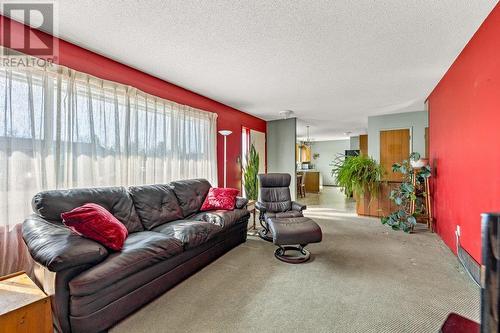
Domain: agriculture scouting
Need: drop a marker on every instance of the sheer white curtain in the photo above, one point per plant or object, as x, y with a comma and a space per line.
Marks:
64, 129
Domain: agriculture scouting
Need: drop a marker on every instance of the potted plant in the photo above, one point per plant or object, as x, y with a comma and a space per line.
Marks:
357, 175
414, 170
250, 172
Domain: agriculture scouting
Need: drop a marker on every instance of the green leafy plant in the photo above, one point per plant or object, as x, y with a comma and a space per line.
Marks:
357, 174
405, 218
250, 172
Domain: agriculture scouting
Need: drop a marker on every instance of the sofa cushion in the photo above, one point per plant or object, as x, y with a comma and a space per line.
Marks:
95, 222
190, 233
222, 218
116, 200
155, 204
191, 194
220, 198
141, 250
182, 264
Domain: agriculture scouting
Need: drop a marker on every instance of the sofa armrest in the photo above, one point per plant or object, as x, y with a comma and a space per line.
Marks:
298, 206
260, 207
57, 247
241, 202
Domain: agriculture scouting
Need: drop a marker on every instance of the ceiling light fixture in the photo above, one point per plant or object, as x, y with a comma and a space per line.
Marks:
286, 113
308, 141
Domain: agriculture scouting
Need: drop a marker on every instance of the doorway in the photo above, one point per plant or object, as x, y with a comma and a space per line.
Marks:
258, 140
394, 148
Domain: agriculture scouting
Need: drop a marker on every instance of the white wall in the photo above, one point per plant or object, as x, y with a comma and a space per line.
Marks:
281, 136
354, 142
328, 151
415, 121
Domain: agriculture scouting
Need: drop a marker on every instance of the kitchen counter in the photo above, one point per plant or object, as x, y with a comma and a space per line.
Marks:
313, 181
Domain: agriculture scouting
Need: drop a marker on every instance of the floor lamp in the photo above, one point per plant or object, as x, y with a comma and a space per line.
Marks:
225, 133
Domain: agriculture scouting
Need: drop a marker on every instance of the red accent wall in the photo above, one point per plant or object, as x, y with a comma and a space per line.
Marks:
464, 125
83, 60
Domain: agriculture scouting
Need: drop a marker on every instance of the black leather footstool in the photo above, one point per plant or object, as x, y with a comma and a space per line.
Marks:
292, 231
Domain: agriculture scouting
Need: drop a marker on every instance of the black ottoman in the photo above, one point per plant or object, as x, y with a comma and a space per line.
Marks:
293, 231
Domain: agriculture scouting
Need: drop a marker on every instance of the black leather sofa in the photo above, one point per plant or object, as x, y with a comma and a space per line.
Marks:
92, 287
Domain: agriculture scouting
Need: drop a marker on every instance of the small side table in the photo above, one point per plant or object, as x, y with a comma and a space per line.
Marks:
23, 306
252, 231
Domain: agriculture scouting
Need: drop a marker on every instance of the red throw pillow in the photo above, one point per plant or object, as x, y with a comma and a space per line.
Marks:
95, 222
220, 198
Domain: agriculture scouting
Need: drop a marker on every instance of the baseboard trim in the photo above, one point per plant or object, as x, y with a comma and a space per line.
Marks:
469, 264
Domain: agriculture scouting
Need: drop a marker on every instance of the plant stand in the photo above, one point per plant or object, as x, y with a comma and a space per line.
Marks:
252, 231
426, 200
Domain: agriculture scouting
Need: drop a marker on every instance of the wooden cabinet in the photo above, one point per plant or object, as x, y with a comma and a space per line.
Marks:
312, 181
305, 154
302, 153
24, 308
378, 206
363, 145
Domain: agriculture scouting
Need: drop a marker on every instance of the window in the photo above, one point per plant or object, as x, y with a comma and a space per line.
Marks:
63, 129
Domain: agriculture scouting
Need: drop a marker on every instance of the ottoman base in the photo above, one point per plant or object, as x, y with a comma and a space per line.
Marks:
302, 256
287, 232
266, 235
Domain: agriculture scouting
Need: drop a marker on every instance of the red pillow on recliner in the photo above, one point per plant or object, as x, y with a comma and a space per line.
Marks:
95, 222
220, 198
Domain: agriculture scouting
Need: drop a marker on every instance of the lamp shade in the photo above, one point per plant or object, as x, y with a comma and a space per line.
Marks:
225, 132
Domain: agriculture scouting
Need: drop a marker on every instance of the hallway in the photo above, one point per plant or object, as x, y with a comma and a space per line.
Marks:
329, 197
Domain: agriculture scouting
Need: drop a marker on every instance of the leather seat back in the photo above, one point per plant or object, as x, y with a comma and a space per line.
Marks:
50, 204
155, 204
275, 192
191, 194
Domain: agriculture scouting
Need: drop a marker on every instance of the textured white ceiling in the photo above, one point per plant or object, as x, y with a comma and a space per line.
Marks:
333, 63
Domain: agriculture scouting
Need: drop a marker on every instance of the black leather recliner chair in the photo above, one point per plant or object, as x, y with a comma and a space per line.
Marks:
282, 220
275, 201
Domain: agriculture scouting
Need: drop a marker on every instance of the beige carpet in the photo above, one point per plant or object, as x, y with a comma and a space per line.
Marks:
363, 278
